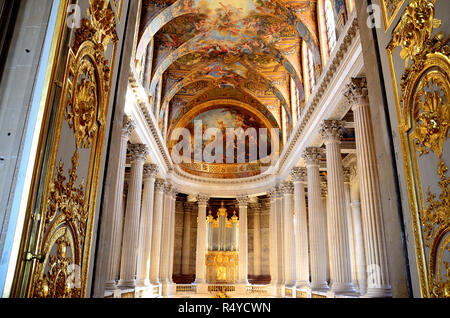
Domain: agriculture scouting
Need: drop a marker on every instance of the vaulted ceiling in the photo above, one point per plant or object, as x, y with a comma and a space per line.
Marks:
226, 54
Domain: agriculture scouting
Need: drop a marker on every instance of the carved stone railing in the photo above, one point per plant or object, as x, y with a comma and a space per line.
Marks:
186, 289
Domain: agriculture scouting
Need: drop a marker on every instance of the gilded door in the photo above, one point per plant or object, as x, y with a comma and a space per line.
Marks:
56, 245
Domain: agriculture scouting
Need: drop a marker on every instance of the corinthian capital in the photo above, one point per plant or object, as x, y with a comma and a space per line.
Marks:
189, 207
299, 174
287, 188
347, 174
312, 155
202, 199
150, 171
242, 200
332, 130
357, 93
138, 151
128, 126
159, 185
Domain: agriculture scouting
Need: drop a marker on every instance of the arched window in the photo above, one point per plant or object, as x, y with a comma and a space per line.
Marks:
312, 78
330, 22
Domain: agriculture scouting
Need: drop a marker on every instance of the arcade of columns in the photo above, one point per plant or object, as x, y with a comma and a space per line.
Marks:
326, 240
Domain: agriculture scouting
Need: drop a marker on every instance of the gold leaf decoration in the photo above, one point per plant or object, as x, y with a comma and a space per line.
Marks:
424, 124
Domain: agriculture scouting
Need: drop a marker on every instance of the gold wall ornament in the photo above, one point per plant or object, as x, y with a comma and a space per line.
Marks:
60, 281
424, 117
431, 114
68, 200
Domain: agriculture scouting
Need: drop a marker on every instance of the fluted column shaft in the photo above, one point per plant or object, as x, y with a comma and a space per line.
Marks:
378, 284
201, 240
280, 231
273, 236
301, 229
165, 243
351, 236
145, 232
172, 234
132, 216
289, 241
155, 259
317, 230
340, 269
358, 233
243, 240
257, 240
186, 248
118, 210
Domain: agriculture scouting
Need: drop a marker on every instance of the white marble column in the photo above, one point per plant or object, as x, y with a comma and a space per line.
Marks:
317, 229
256, 209
378, 284
358, 232
280, 232
118, 211
172, 233
288, 233
201, 240
132, 216
243, 239
273, 237
299, 176
351, 236
340, 270
324, 196
165, 239
186, 248
158, 210
146, 224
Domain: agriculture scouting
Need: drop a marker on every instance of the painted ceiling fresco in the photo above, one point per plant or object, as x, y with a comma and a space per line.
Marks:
214, 51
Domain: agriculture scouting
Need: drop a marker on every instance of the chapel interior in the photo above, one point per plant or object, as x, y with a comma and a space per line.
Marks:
224, 148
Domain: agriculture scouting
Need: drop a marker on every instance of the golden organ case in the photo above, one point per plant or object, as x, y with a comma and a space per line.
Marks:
222, 255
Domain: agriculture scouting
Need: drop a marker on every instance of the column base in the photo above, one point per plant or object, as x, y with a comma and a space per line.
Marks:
319, 286
168, 289
278, 290
241, 288
126, 284
143, 283
303, 285
202, 288
110, 285
343, 288
378, 292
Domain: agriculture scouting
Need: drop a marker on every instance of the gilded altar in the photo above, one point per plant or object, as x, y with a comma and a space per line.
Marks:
222, 257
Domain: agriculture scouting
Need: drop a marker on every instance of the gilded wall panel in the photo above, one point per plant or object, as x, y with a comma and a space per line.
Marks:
422, 98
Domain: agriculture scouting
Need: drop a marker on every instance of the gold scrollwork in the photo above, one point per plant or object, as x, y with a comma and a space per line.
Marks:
424, 118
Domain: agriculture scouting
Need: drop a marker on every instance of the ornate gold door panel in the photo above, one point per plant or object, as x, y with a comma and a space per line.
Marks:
61, 244
424, 119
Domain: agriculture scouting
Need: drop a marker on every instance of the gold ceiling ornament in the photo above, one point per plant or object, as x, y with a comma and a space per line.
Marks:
424, 119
